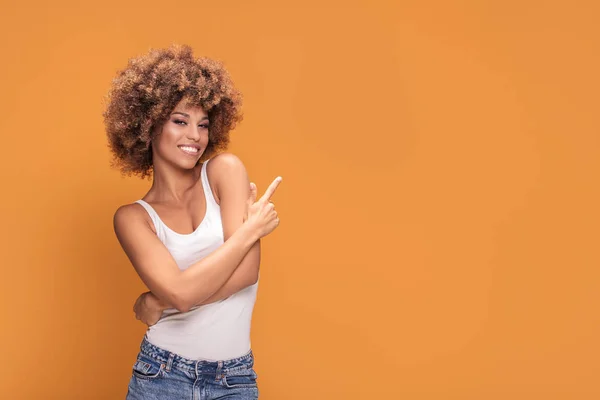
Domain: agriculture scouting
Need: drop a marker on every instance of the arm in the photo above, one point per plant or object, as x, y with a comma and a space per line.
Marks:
245, 275
233, 187
157, 269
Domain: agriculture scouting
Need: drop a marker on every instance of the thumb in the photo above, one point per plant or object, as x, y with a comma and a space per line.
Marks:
250, 201
252, 198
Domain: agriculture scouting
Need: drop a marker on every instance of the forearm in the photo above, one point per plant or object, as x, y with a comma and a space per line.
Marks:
246, 274
204, 278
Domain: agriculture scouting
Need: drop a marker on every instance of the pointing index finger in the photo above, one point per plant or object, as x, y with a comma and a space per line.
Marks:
271, 189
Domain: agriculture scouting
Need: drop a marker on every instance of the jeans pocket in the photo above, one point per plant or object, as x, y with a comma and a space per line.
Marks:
147, 368
240, 378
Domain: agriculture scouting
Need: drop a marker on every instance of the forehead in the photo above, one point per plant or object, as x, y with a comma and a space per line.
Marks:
188, 108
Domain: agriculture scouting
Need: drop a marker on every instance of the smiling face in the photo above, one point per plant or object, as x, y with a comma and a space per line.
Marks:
183, 138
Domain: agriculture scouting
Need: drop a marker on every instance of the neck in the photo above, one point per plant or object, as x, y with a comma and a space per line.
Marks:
173, 185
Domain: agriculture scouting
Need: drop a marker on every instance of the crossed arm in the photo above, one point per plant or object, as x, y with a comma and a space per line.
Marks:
230, 180
149, 308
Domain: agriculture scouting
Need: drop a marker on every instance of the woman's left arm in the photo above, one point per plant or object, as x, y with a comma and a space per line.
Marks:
232, 185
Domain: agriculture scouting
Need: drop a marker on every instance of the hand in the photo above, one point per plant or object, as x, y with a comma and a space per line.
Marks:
261, 214
147, 308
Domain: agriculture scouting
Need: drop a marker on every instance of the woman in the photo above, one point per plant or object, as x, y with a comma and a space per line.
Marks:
194, 238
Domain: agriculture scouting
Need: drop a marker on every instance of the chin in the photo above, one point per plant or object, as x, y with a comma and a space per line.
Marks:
190, 165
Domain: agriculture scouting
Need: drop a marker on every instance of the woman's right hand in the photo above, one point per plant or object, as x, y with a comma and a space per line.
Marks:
261, 214
148, 308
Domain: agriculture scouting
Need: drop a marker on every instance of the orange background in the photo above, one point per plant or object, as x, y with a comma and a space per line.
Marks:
439, 235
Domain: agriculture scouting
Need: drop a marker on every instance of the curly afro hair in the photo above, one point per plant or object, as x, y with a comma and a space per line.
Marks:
144, 94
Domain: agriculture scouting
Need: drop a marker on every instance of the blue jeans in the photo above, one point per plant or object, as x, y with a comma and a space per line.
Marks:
161, 375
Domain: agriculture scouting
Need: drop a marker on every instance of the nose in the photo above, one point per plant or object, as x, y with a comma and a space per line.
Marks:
193, 133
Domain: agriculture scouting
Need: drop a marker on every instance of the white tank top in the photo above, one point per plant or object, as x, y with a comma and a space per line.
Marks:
213, 332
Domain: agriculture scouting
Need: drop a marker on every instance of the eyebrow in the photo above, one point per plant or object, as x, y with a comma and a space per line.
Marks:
187, 115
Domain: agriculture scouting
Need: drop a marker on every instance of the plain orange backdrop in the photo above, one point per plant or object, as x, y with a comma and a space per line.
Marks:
440, 220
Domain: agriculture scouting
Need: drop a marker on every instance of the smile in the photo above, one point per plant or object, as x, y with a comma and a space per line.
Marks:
189, 150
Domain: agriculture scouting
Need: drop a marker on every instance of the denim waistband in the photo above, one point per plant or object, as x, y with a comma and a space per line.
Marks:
200, 366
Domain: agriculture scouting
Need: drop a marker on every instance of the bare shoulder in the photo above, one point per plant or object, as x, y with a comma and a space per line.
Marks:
223, 169
128, 214
227, 161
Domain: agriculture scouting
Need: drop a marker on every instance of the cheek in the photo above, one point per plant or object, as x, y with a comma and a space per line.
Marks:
163, 143
168, 137
170, 133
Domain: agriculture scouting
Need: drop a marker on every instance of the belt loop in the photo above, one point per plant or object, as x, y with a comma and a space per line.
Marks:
170, 361
219, 368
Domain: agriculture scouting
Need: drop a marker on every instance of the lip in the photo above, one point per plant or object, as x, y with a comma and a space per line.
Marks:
190, 145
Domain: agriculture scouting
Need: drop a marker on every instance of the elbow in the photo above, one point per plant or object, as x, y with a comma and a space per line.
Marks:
254, 278
255, 270
180, 302
182, 307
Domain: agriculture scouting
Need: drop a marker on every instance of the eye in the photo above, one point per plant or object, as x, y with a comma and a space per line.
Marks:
179, 122
205, 126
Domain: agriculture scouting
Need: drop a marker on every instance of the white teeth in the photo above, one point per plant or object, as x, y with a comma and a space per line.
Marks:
189, 149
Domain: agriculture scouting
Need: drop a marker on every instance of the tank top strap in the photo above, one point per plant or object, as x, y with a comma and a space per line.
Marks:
208, 194
153, 214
